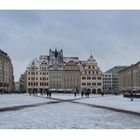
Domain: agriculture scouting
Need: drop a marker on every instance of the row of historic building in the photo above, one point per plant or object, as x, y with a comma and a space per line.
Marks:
6, 73
63, 74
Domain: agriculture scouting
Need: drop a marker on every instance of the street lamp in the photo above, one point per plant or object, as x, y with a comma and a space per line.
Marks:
2, 76
131, 82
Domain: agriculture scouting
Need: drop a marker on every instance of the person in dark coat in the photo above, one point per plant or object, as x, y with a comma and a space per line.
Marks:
102, 93
82, 93
50, 94
75, 93
47, 92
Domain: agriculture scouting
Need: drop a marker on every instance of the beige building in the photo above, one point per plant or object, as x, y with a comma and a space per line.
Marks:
63, 74
55, 77
129, 78
91, 76
55, 69
71, 75
6, 73
37, 75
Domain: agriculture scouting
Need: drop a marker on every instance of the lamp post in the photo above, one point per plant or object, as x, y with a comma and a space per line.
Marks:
3, 76
131, 82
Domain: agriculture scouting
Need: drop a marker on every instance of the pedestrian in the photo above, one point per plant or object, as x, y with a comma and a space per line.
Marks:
50, 94
82, 93
131, 94
75, 94
102, 93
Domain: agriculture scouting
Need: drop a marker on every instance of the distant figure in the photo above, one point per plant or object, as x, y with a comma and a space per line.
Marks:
30, 92
87, 93
41, 91
82, 93
49, 93
102, 93
75, 94
131, 94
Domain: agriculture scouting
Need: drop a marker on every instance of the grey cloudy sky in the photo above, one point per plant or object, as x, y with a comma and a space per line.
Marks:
113, 36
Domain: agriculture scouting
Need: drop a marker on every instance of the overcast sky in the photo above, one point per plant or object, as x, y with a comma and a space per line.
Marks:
112, 36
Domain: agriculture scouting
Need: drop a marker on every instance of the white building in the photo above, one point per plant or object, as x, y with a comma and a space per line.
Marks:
37, 75
110, 79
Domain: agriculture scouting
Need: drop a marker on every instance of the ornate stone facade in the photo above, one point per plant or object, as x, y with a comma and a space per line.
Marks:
64, 74
92, 77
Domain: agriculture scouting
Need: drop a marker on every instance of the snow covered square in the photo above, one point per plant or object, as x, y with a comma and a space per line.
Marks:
64, 111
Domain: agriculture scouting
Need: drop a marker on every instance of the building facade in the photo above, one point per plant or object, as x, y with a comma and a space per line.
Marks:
55, 70
71, 75
65, 74
110, 79
6, 73
55, 73
91, 76
129, 79
37, 75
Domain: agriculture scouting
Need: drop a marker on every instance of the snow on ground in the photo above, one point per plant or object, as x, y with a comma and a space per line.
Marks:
67, 116
64, 96
118, 102
7, 100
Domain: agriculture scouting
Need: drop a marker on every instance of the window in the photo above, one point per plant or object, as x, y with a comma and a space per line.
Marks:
99, 78
44, 78
99, 84
94, 84
89, 67
83, 78
88, 84
88, 78
93, 78
33, 78
83, 84
32, 73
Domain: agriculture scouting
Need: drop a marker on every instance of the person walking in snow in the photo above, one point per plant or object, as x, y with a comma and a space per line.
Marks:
82, 93
102, 93
75, 93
